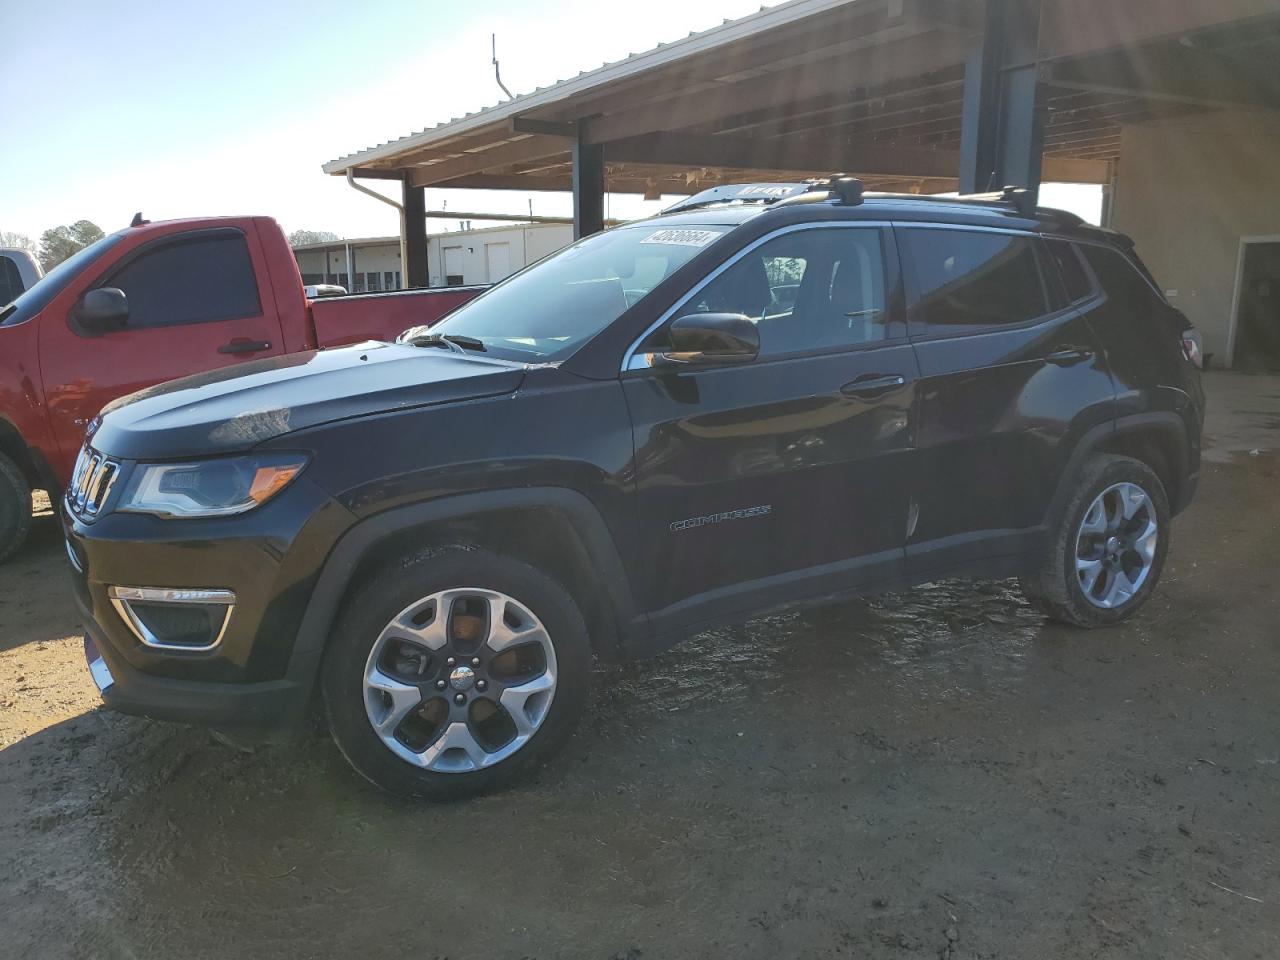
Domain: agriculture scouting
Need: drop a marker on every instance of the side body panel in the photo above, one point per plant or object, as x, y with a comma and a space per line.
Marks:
1139, 332
998, 419
766, 477
24, 422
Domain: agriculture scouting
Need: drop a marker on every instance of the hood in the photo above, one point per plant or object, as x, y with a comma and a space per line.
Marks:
235, 408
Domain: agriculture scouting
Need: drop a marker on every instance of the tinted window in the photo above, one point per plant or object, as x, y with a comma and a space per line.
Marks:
10, 280
974, 281
1075, 281
806, 290
189, 281
1120, 278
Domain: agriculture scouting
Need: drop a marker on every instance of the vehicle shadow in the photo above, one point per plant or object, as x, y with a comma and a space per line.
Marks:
35, 599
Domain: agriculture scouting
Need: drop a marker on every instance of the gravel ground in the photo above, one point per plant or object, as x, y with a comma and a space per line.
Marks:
939, 773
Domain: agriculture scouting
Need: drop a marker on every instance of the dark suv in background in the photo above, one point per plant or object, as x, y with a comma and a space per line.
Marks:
770, 394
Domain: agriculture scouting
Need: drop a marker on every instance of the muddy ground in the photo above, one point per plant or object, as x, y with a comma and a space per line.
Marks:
933, 774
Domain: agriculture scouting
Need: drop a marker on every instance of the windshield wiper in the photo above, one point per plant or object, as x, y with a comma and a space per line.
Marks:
453, 341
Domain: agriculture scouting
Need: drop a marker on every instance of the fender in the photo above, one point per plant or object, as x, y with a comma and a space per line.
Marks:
355, 544
1166, 422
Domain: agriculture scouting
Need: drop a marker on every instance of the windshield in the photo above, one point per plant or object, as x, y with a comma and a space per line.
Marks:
55, 281
549, 310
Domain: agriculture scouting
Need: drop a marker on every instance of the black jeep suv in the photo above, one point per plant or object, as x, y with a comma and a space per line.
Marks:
767, 395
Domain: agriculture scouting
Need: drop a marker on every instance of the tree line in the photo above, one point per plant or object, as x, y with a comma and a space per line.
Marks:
58, 243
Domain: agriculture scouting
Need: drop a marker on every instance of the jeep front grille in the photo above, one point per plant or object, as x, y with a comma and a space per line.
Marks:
91, 483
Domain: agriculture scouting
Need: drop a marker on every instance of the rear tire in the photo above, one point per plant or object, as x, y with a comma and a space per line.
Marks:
418, 651
1106, 550
15, 508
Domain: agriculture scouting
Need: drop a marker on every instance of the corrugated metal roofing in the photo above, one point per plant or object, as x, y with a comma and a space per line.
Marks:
765, 19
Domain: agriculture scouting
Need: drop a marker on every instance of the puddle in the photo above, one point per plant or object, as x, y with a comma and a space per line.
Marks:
948, 638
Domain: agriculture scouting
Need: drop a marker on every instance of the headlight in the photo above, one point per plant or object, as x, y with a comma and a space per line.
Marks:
209, 488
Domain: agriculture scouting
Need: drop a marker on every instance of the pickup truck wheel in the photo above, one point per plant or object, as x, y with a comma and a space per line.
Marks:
1108, 547
453, 672
15, 508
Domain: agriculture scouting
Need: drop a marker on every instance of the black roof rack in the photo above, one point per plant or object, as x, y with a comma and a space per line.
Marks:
1020, 198
849, 191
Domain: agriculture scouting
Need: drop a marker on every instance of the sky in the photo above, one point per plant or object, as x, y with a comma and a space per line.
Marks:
180, 109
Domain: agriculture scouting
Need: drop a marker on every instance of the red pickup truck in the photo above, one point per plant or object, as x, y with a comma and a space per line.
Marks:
150, 303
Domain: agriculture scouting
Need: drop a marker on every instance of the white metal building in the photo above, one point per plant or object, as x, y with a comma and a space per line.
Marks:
456, 258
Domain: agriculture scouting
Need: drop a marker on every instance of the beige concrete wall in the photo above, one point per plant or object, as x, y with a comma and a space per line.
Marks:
1187, 191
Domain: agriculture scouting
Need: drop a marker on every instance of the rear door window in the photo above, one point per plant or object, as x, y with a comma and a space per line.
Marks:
190, 280
972, 281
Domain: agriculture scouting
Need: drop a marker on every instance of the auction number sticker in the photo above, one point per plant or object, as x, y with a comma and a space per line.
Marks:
682, 238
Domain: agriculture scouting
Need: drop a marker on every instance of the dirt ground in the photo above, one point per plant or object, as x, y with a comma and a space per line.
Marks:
936, 774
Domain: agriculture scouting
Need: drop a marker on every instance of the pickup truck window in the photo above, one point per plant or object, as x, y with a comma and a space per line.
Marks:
10, 280
191, 280
550, 309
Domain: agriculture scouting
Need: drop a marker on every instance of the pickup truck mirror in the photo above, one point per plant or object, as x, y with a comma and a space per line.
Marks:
709, 338
103, 310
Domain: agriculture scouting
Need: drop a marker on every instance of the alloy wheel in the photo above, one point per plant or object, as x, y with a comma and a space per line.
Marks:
1116, 545
460, 680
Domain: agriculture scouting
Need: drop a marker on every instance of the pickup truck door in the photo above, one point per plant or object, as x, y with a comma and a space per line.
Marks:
198, 300
782, 477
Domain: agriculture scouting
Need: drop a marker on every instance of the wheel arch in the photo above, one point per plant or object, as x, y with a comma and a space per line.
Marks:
14, 446
555, 528
1157, 439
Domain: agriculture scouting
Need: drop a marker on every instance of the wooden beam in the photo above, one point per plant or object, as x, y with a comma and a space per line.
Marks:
1071, 170
612, 184
550, 128
518, 151
1174, 75
838, 76
788, 153
1076, 27
375, 173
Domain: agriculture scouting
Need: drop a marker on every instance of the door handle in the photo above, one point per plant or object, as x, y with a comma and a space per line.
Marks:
245, 346
873, 385
1069, 356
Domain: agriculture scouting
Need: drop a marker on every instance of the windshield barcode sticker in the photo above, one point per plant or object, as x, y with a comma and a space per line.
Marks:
682, 238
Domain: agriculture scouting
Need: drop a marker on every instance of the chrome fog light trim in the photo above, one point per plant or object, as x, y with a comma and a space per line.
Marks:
122, 598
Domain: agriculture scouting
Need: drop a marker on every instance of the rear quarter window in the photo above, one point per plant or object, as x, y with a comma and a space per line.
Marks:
1121, 279
1076, 285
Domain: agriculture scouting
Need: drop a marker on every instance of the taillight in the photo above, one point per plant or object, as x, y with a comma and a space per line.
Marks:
1193, 347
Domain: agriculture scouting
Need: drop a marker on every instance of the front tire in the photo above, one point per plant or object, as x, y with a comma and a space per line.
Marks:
454, 672
15, 508
1107, 548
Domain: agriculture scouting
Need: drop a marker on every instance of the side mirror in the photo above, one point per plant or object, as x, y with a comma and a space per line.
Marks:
708, 338
103, 310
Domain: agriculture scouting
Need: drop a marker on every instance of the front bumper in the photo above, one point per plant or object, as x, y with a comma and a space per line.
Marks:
255, 678
257, 708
